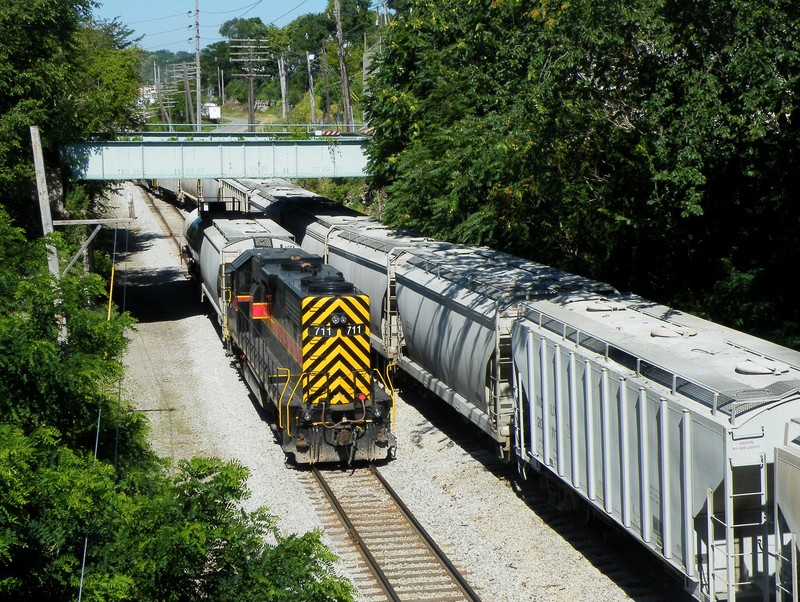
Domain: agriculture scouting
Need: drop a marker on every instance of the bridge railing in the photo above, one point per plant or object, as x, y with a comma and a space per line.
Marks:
273, 129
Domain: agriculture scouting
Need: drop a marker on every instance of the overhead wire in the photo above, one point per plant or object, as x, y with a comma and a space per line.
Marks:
156, 19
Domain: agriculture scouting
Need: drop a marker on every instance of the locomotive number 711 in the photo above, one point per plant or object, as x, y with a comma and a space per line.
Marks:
331, 331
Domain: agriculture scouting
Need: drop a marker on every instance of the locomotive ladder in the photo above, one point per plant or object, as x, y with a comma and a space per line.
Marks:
724, 549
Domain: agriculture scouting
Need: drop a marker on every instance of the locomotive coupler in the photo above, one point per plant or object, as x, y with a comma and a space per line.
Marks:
343, 437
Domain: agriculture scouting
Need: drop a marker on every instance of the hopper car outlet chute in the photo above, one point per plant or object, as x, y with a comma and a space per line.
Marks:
681, 459
302, 333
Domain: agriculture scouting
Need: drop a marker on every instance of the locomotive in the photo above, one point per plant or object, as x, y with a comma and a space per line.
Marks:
682, 432
301, 334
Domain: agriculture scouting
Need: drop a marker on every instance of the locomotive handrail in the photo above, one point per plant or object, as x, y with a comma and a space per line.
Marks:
283, 393
387, 383
289, 403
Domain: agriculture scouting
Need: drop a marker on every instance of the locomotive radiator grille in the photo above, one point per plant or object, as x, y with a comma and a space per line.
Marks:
336, 348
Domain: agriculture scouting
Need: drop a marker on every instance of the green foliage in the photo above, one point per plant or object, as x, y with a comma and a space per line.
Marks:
348, 191
621, 140
75, 469
148, 536
47, 378
64, 73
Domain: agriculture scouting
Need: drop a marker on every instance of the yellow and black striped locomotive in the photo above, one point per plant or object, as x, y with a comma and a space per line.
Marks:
301, 332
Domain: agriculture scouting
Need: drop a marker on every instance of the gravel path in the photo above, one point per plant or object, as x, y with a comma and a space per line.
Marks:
179, 375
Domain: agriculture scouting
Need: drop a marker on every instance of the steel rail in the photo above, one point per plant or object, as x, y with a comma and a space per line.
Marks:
372, 562
393, 584
429, 541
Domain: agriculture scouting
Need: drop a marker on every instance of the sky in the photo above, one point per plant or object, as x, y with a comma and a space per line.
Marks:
169, 24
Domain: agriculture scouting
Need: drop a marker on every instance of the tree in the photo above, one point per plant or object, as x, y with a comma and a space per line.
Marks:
147, 536
623, 141
244, 29
64, 73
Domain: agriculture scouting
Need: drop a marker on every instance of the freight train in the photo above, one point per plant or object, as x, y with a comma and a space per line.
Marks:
300, 332
682, 432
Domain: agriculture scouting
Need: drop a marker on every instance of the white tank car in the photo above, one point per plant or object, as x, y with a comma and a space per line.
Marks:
215, 241
666, 423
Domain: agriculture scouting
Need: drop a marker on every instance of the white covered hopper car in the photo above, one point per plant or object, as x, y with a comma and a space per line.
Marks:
667, 424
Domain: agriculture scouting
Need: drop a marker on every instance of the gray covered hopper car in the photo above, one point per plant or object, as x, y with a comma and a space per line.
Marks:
667, 424
189, 192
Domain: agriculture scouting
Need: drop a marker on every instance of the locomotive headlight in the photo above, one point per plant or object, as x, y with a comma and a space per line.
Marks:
338, 319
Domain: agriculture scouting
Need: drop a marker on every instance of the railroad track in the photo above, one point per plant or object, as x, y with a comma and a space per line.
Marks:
398, 559
170, 217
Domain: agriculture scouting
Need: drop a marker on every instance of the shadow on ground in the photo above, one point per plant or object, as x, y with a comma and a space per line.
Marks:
161, 295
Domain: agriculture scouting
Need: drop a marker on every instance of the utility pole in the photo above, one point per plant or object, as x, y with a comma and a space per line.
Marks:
284, 87
187, 95
346, 107
197, 60
44, 198
311, 89
165, 103
327, 112
251, 104
252, 53
365, 63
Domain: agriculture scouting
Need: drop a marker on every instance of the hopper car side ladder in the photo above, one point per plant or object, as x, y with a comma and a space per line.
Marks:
500, 406
725, 549
392, 327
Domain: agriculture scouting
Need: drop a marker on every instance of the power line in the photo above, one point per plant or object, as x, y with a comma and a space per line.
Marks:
156, 19
288, 13
235, 10
251, 8
167, 31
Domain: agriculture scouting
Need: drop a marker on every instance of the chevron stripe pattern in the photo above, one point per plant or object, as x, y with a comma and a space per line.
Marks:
336, 351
